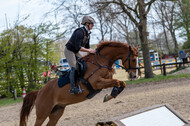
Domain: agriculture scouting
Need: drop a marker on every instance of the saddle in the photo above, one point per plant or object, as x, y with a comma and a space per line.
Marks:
81, 69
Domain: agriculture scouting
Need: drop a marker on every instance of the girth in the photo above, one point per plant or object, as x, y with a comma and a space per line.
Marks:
90, 88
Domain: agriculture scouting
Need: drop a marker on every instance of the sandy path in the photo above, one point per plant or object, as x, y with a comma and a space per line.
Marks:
134, 97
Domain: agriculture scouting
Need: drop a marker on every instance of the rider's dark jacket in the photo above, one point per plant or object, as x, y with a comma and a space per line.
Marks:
80, 38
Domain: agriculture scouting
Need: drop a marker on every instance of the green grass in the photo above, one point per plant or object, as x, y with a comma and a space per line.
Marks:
9, 101
158, 78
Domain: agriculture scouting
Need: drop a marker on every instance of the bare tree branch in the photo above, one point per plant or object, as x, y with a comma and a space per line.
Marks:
149, 6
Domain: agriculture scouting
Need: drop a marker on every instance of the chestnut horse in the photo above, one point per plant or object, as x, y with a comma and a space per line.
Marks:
50, 101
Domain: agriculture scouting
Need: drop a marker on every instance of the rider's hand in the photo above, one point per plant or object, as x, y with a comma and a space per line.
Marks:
92, 50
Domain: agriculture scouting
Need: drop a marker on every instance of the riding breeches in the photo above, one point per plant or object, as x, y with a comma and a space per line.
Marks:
71, 56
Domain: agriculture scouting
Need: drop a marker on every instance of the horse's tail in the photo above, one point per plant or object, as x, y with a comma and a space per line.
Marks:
27, 106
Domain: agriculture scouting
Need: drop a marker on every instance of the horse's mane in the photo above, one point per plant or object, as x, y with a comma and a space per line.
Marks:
103, 44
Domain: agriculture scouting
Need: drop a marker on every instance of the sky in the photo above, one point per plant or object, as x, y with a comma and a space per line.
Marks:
13, 9
10, 10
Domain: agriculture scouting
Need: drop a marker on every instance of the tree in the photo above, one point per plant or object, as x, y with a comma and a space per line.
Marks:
182, 21
167, 16
25, 54
138, 15
71, 12
127, 29
6, 61
103, 27
122, 26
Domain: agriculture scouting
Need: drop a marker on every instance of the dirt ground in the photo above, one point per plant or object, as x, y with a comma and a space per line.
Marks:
175, 92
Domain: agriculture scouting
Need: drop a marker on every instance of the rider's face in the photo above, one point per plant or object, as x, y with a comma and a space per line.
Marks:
91, 26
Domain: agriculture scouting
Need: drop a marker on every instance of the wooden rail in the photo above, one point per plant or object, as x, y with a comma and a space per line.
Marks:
163, 66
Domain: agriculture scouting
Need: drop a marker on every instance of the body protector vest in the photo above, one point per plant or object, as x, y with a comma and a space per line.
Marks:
80, 38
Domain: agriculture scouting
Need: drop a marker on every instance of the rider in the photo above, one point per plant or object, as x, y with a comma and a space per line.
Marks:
79, 42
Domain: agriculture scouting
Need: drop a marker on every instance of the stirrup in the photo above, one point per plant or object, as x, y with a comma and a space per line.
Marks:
76, 90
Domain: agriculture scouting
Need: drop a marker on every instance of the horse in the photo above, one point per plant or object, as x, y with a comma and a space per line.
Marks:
51, 101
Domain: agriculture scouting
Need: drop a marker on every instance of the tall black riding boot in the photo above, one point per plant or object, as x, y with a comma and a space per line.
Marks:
74, 89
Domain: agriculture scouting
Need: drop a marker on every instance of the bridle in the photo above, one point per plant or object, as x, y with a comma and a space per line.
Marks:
127, 59
108, 67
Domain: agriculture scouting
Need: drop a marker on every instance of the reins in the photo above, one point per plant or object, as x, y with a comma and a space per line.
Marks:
97, 64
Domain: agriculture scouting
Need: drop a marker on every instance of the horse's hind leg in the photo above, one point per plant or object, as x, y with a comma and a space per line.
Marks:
42, 112
40, 118
39, 121
55, 115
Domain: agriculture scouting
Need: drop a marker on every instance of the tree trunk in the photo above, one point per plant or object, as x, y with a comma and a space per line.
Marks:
144, 43
35, 59
174, 39
165, 34
146, 54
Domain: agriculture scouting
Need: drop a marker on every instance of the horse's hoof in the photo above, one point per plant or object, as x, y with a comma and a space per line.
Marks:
107, 98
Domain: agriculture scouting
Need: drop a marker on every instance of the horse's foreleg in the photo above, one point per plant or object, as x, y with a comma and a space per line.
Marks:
122, 84
115, 92
106, 83
55, 115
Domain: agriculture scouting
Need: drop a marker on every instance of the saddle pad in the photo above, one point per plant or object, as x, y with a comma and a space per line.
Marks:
63, 80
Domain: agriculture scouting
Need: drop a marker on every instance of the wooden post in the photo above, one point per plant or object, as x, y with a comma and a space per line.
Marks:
15, 94
164, 69
183, 60
160, 64
176, 61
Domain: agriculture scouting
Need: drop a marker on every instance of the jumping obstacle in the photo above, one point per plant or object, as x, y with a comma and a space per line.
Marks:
158, 115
